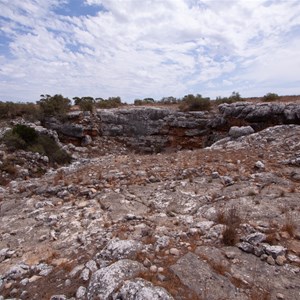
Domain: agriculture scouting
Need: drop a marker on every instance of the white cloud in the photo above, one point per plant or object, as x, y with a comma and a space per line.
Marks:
149, 48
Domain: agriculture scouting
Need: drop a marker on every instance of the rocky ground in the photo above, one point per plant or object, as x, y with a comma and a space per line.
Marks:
216, 223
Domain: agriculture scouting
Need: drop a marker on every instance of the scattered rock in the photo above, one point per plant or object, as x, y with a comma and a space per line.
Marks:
174, 251
81, 291
259, 165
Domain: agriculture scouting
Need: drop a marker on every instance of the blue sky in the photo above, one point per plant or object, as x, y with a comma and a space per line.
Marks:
148, 48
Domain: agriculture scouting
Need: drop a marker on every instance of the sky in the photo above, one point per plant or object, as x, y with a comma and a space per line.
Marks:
148, 48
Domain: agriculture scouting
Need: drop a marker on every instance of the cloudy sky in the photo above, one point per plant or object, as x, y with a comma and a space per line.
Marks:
148, 48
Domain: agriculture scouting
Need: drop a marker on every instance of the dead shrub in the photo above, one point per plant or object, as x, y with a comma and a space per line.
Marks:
289, 224
232, 220
257, 293
272, 238
229, 236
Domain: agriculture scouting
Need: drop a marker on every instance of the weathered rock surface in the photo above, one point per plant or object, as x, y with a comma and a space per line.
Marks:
106, 281
272, 113
135, 226
139, 289
236, 131
197, 276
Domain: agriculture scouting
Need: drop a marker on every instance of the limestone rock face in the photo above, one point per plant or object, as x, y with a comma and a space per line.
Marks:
277, 113
68, 129
152, 129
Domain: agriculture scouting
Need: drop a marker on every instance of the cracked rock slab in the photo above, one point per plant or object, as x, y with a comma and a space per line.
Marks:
199, 277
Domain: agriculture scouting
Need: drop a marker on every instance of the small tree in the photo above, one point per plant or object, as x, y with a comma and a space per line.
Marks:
168, 100
111, 102
54, 106
138, 102
235, 97
85, 103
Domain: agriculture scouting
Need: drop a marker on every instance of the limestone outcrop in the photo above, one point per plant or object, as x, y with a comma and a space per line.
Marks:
150, 129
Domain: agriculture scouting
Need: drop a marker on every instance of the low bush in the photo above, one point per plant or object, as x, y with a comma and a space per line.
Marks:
111, 102
13, 141
26, 133
234, 97
194, 103
11, 110
54, 106
26, 138
47, 146
85, 103
270, 97
145, 101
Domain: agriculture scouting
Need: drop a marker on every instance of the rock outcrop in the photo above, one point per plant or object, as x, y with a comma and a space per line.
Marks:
262, 113
214, 223
153, 129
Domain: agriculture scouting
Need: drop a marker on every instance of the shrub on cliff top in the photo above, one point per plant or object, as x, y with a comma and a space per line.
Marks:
234, 97
270, 97
194, 103
54, 106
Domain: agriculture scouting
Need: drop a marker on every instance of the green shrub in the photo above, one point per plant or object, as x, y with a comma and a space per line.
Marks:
221, 100
26, 133
13, 141
168, 100
145, 101
61, 157
270, 97
54, 106
26, 138
194, 103
85, 103
111, 102
11, 110
234, 97
47, 146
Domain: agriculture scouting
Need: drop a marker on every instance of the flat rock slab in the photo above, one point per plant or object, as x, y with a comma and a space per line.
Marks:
198, 276
118, 207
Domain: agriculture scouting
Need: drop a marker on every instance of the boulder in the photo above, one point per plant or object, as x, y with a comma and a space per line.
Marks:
119, 249
140, 289
236, 132
105, 281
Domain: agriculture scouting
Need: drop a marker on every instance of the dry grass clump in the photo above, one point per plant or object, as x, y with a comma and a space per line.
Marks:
259, 294
289, 224
232, 220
